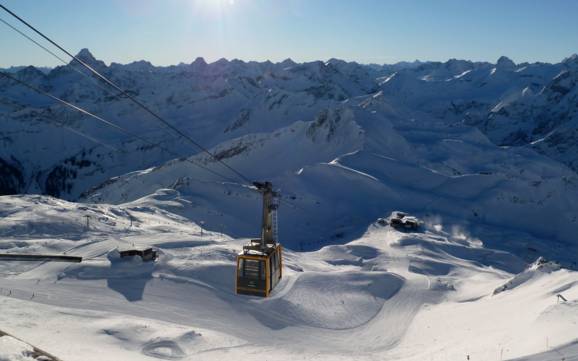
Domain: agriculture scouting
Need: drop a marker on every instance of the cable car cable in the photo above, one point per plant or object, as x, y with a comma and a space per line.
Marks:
122, 92
119, 128
89, 137
129, 96
94, 81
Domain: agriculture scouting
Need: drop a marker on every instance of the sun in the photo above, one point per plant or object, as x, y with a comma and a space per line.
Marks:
213, 8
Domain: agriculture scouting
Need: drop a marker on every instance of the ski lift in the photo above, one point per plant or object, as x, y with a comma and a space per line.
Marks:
260, 264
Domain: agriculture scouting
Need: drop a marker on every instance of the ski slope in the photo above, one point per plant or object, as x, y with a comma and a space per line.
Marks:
435, 294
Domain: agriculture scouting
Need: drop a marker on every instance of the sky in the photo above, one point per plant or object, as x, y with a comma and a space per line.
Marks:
167, 32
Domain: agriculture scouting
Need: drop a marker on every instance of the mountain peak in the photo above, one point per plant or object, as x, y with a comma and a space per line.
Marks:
335, 61
221, 61
199, 61
572, 59
288, 62
141, 65
458, 66
29, 72
505, 63
86, 56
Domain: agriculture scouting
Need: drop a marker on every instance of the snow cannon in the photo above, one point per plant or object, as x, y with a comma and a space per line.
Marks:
260, 264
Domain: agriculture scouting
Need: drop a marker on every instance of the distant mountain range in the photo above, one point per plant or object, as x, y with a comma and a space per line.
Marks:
15, 69
471, 140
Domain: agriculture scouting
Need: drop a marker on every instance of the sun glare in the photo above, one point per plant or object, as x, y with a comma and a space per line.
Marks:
213, 8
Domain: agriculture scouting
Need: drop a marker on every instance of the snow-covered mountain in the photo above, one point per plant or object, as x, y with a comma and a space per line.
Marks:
531, 105
484, 154
44, 149
212, 102
344, 140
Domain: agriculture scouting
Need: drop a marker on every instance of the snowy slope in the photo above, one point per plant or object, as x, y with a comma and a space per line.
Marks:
514, 104
213, 102
484, 153
386, 295
345, 168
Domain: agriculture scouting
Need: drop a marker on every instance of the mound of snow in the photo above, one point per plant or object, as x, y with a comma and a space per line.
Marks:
336, 300
540, 267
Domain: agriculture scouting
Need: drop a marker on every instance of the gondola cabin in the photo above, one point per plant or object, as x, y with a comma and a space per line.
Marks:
260, 264
258, 272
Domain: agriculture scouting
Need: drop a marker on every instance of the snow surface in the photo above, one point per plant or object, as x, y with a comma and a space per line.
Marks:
385, 295
485, 154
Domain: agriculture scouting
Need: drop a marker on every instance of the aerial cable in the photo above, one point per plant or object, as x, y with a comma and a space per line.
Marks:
129, 96
84, 135
53, 97
54, 55
110, 124
32, 40
122, 92
120, 129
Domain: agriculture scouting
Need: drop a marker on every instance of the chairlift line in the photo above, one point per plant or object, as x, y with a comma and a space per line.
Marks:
128, 95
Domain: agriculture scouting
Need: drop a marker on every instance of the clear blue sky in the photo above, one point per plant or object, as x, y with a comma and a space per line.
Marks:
379, 31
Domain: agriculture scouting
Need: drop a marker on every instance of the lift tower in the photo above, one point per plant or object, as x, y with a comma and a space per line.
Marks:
259, 265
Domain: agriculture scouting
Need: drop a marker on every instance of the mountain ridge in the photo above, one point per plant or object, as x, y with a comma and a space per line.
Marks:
301, 119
